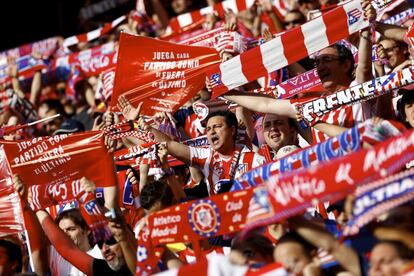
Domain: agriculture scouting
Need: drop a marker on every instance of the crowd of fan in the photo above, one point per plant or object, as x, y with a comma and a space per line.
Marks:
384, 247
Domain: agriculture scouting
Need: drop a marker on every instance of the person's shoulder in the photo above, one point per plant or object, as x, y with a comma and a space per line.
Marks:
256, 156
101, 267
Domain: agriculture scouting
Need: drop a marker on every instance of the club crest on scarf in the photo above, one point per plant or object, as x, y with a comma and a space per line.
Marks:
259, 205
215, 79
353, 16
204, 218
92, 207
201, 110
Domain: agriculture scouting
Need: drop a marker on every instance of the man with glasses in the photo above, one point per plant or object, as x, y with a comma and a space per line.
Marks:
335, 67
293, 19
71, 253
113, 263
395, 52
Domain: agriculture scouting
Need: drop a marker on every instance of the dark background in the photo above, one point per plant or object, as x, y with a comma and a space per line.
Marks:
25, 21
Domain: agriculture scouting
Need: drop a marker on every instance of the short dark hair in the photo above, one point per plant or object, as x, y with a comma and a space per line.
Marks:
255, 242
294, 237
75, 216
403, 251
54, 104
345, 54
407, 98
230, 118
156, 191
14, 252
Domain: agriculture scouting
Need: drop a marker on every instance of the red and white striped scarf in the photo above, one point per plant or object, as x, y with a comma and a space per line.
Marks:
72, 40
186, 19
288, 48
219, 39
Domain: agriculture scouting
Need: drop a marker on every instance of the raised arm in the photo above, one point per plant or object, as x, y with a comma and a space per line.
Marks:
126, 240
262, 103
390, 31
329, 129
36, 83
320, 237
37, 238
178, 150
64, 245
363, 71
175, 186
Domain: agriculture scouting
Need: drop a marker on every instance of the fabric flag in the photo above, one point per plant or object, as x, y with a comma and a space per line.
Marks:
377, 198
292, 193
313, 109
288, 48
10, 210
161, 74
62, 159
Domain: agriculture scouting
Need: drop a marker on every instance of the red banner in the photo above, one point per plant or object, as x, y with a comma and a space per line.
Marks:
62, 159
162, 74
10, 213
195, 220
282, 196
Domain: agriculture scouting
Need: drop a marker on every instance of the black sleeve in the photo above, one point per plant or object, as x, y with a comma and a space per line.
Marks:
101, 267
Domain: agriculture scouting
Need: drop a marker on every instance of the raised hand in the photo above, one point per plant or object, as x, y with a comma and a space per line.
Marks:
129, 112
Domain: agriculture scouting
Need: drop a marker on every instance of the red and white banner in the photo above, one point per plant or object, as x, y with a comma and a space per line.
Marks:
161, 74
288, 48
10, 211
290, 194
72, 40
61, 159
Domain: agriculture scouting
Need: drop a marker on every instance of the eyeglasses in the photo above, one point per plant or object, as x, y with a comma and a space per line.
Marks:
109, 242
324, 59
391, 49
294, 22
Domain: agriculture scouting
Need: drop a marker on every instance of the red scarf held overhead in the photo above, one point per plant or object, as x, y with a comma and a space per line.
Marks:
288, 48
62, 159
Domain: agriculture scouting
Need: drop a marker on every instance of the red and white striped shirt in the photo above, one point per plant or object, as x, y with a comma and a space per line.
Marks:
218, 168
